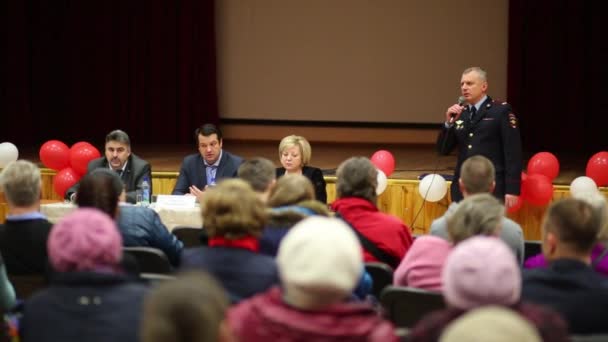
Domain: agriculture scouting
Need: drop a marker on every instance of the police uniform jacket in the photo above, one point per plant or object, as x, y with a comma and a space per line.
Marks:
493, 133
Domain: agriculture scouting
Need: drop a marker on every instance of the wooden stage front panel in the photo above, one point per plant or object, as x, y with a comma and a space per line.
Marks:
400, 198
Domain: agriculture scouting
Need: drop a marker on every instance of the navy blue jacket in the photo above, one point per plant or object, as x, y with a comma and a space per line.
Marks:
192, 171
494, 134
574, 290
84, 306
243, 273
142, 226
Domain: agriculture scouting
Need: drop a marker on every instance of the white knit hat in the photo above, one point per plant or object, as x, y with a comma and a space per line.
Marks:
320, 255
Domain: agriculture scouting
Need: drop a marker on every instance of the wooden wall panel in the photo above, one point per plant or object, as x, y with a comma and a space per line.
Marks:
400, 198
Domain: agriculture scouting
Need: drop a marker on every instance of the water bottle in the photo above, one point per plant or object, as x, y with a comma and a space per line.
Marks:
145, 192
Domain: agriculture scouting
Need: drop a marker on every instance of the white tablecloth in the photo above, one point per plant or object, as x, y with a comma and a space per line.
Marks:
171, 216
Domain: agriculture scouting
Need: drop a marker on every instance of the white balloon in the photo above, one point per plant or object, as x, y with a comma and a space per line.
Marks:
382, 182
432, 187
8, 153
581, 185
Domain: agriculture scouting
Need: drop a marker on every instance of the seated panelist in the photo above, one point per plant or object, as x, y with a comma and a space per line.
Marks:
118, 157
212, 163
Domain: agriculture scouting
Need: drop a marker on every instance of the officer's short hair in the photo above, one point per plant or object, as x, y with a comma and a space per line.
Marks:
483, 75
477, 174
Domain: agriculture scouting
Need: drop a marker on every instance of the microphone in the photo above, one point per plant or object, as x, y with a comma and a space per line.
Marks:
461, 102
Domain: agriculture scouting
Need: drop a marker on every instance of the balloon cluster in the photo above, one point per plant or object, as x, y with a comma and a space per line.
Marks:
8, 153
71, 163
385, 163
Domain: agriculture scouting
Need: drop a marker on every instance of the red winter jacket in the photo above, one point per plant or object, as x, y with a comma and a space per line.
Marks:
266, 318
387, 232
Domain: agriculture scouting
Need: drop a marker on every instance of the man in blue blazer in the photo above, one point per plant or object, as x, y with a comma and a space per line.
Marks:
205, 168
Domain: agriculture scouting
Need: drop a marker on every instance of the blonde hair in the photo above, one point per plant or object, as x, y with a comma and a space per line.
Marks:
20, 181
233, 210
301, 142
291, 189
479, 214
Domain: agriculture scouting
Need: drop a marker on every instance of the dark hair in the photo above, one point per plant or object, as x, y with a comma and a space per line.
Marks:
206, 130
258, 172
100, 189
120, 136
575, 223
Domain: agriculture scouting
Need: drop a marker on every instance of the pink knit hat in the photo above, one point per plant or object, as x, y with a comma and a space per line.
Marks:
85, 240
423, 263
481, 270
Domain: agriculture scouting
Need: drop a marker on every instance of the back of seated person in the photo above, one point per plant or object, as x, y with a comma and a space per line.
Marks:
234, 217
482, 271
320, 263
90, 297
569, 285
191, 308
24, 235
139, 226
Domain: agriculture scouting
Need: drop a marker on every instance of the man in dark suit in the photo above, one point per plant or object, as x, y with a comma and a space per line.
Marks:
118, 157
481, 126
205, 168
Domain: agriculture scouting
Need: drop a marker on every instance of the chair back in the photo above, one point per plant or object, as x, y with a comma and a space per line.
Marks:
154, 279
26, 285
589, 338
532, 248
191, 236
149, 259
382, 276
405, 306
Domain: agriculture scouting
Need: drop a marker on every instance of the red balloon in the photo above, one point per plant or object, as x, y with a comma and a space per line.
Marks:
524, 176
384, 161
544, 163
537, 190
515, 208
81, 155
597, 168
80, 143
55, 155
64, 179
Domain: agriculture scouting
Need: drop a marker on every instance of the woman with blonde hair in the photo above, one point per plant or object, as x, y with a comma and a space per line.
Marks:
233, 217
295, 153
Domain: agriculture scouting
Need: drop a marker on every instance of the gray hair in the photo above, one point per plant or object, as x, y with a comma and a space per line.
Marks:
120, 136
479, 214
20, 181
483, 75
357, 177
258, 172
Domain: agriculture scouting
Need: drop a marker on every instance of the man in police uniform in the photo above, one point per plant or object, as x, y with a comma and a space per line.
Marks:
481, 126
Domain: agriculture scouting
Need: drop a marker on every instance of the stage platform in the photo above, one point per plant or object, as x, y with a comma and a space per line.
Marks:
401, 197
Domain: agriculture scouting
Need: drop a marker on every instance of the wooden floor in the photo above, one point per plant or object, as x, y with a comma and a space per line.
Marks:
411, 160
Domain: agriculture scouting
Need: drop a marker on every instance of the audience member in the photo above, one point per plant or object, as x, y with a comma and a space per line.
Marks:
477, 176
569, 285
483, 271
208, 166
260, 174
479, 214
139, 226
320, 263
118, 157
291, 200
234, 217
384, 237
90, 298
491, 323
191, 308
295, 154
24, 234
599, 253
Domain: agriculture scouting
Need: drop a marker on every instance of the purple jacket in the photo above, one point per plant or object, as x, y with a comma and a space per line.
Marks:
600, 267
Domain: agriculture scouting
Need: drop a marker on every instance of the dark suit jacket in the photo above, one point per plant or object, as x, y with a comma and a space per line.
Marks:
494, 134
316, 177
137, 169
23, 245
193, 172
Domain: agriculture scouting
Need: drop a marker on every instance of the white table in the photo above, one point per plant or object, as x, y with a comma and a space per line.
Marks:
171, 216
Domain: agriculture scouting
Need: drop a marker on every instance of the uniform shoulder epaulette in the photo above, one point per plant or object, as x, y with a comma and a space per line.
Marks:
499, 102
